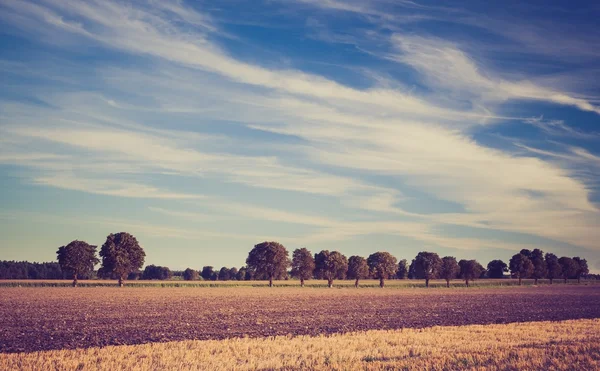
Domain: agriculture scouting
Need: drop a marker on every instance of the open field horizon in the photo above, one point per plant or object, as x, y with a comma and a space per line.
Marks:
366, 283
563, 345
68, 318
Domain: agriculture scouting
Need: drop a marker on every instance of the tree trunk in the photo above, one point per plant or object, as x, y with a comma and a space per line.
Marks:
381, 282
356, 283
535, 281
467, 283
121, 281
566, 279
519, 280
75, 280
426, 282
270, 281
448, 283
551, 281
578, 279
329, 282
301, 282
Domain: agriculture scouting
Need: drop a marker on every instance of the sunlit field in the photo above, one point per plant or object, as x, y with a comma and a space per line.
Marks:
565, 345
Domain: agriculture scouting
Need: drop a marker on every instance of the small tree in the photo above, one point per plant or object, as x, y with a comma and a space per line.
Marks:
191, 275
582, 268
427, 265
224, 274
449, 269
496, 269
155, 272
553, 268
78, 258
121, 254
357, 269
241, 274
470, 270
540, 269
520, 266
207, 272
382, 266
330, 265
303, 265
568, 267
402, 272
233, 271
269, 259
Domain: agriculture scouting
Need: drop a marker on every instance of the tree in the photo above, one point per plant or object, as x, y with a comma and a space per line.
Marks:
207, 272
269, 259
224, 274
77, 258
303, 265
496, 269
357, 269
539, 265
233, 271
402, 271
553, 268
470, 270
241, 274
121, 254
382, 265
155, 272
568, 267
191, 275
330, 265
427, 266
449, 269
520, 266
582, 268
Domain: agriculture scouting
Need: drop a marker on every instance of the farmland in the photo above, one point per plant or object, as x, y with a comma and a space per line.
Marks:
35, 319
564, 345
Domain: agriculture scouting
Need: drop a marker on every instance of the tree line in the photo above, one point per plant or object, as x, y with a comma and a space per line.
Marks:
122, 258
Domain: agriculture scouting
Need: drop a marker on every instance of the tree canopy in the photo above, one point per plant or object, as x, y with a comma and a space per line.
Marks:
553, 268
582, 267
568, 267
330, 266
402, 272
121, 254
382, 266
449, 269
357, 269
496, 269
303, 265
427, 265
191, 275
470, 270
269, 260
78, 258
539, 265
155, 272
520, 266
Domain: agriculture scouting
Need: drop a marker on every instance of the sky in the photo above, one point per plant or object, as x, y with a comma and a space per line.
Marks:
466, 128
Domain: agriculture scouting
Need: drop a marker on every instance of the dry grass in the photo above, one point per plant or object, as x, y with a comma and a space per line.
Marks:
566, 345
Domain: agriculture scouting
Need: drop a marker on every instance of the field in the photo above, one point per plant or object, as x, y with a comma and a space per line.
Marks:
47, 318
566, 345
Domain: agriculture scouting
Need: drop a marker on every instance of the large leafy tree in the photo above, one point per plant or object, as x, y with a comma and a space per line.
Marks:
303, 265
553, 268
540, 268
470, 270
427, 265
520, 266
121, 254
582, 268
191, 275
496, 269
330, 266
568, 267
269, 260
449, 269
382, 266
77, 258
357, 269
402, 271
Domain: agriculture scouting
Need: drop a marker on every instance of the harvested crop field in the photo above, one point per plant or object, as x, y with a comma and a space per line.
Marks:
57, 318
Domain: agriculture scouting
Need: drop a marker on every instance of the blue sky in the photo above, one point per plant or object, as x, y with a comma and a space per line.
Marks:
204, 127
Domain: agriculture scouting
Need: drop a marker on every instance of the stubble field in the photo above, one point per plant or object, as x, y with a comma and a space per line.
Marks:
34, 319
